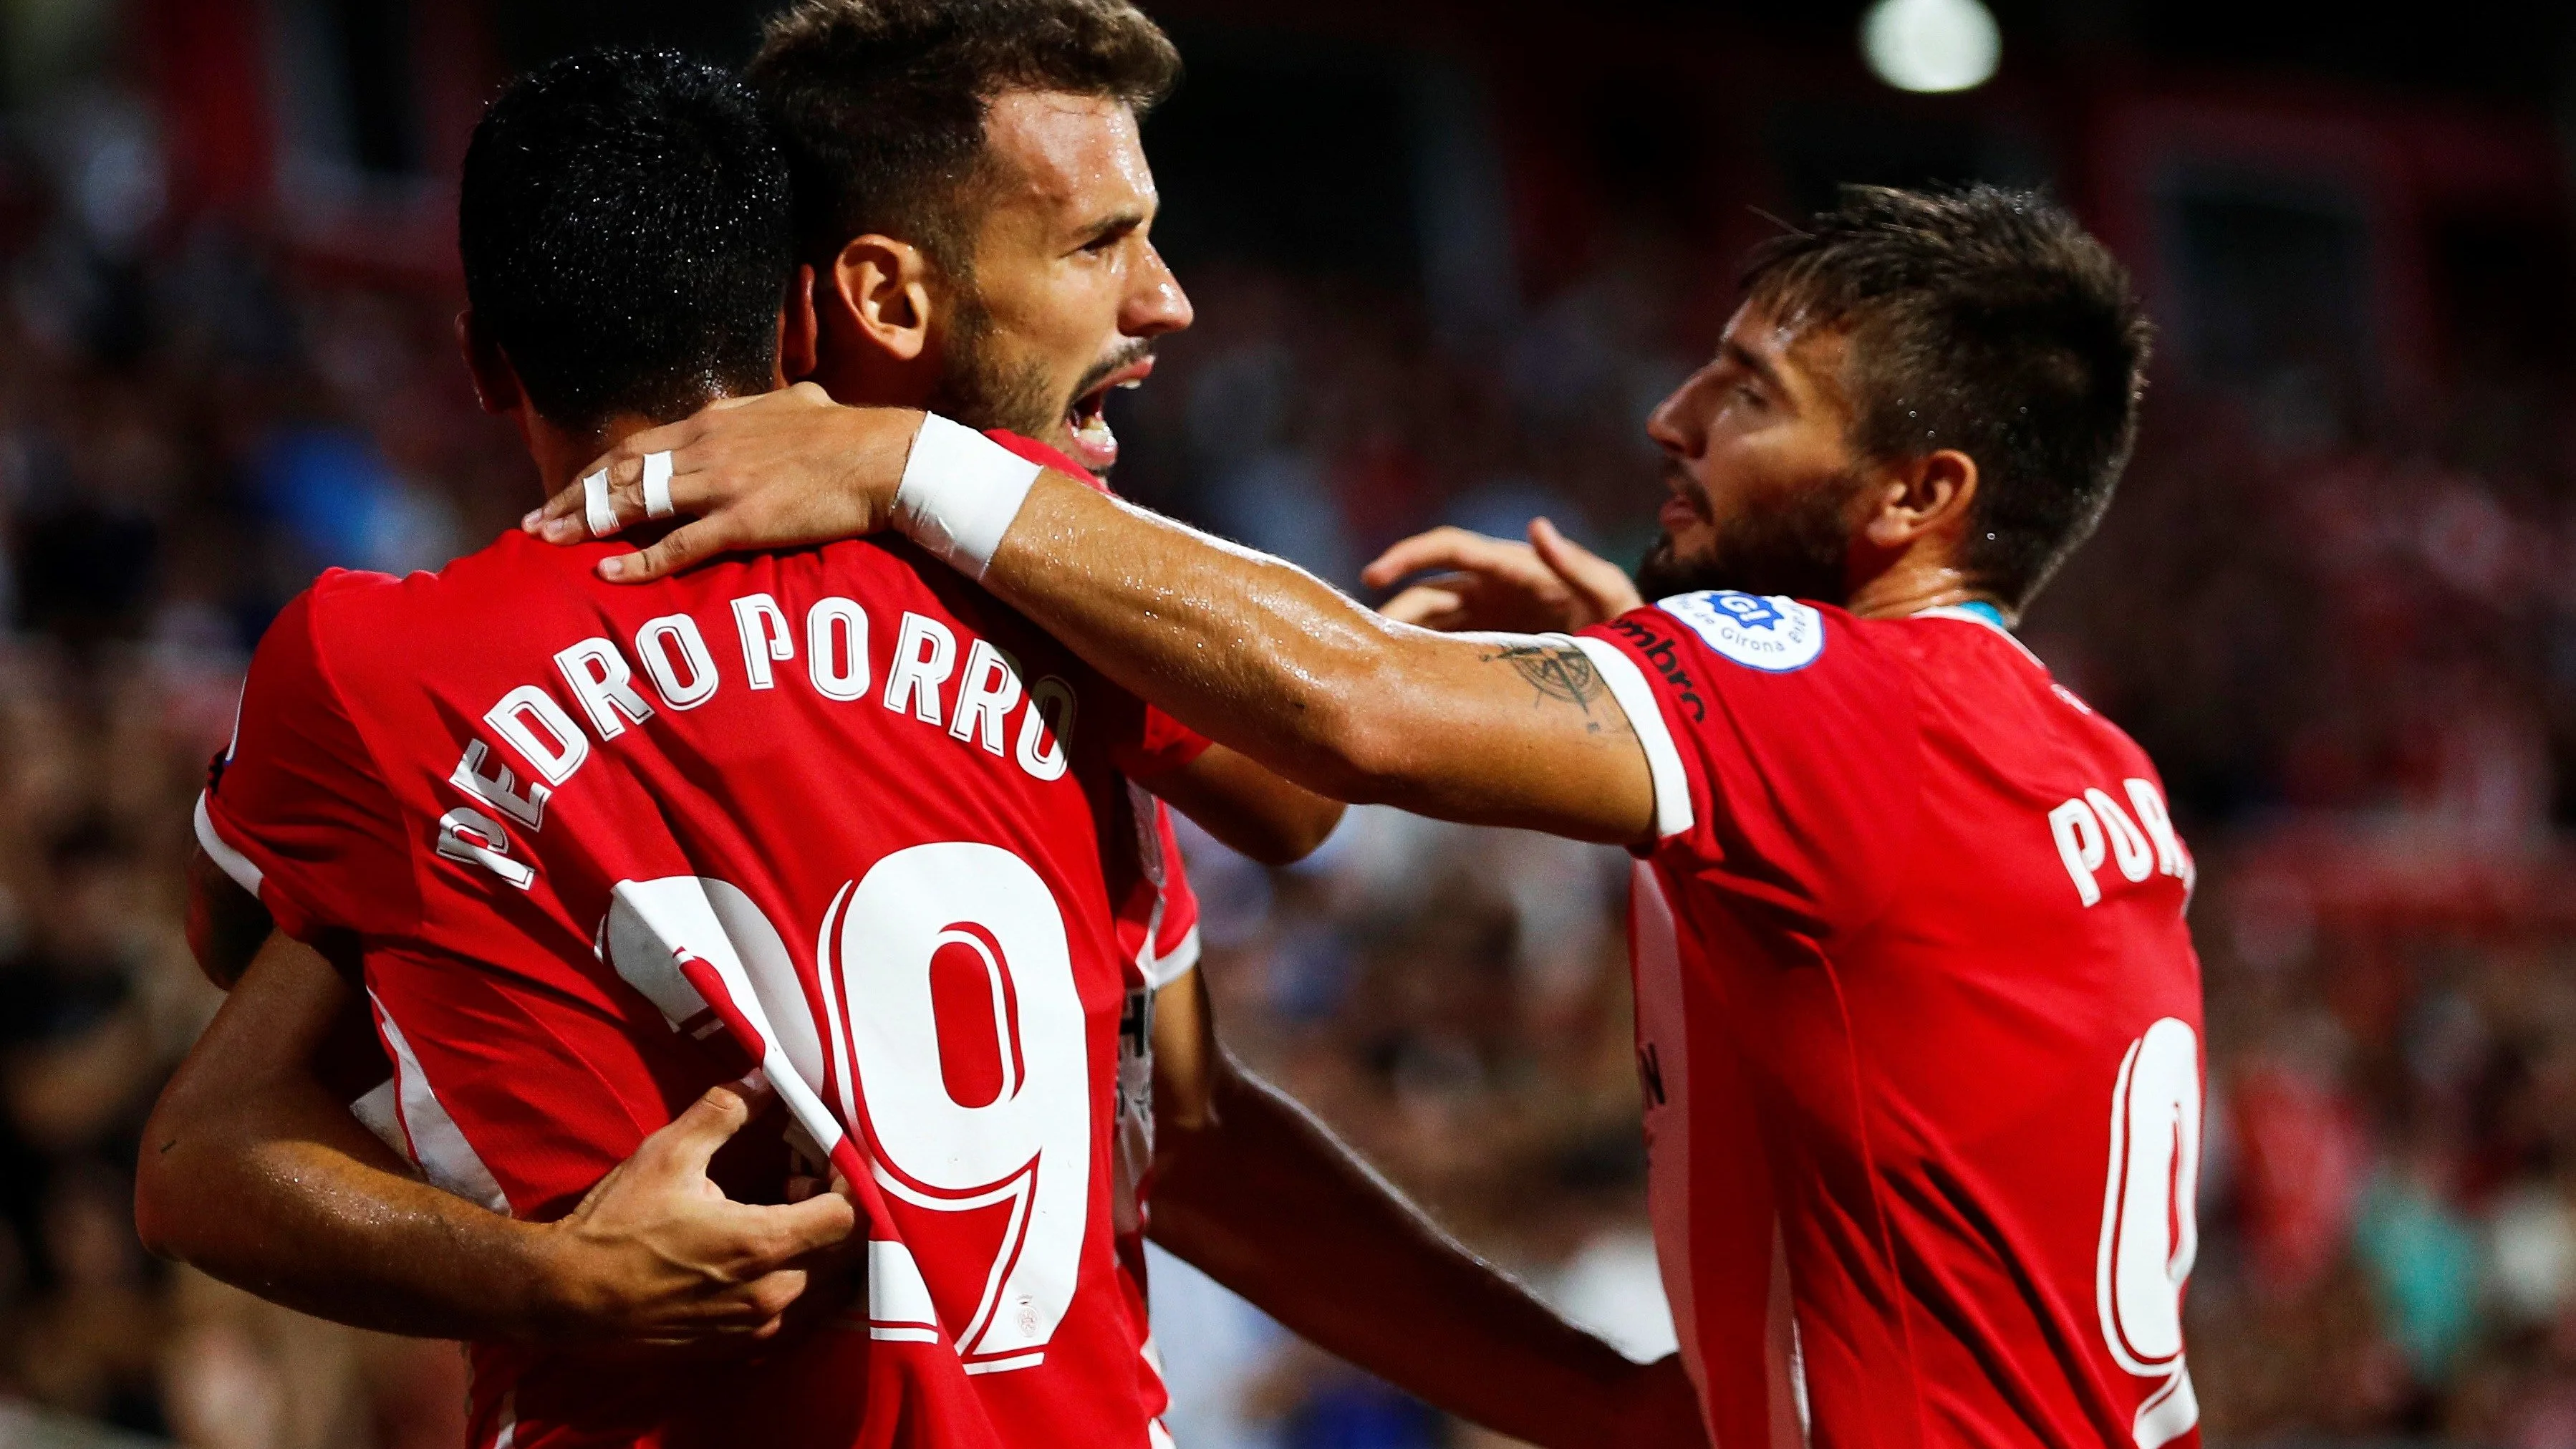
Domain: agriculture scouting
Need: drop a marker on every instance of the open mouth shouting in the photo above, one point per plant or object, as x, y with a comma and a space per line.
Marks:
1091, 441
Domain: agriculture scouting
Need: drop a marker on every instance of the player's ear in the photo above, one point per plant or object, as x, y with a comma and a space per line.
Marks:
1923, 495
797, 329
882, 289
496, 382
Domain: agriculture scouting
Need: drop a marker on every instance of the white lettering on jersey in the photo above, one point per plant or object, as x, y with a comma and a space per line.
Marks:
500, 788
925, 654
763, 627
675, 657
838, 667
2092, 829
470, 837
1775, 635
1043, 738
986, 697
2171, 858
2128, 843
521, 713
654, 644
604, 684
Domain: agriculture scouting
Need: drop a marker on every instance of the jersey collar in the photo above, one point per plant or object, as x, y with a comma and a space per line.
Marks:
1978, 611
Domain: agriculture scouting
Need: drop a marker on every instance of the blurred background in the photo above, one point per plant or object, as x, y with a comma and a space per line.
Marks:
1445, 256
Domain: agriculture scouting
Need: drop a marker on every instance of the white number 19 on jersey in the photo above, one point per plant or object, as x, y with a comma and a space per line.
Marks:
968, 913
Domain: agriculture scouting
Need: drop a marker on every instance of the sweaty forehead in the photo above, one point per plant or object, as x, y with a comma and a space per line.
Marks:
1808, 356
1076, 156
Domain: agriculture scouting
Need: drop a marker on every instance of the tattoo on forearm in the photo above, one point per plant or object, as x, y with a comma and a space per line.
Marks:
1556, 671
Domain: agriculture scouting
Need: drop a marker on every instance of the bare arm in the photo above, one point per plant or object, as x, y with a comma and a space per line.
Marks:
253, 1170
1494, 729
1251, 810
1261, 1196
226, 924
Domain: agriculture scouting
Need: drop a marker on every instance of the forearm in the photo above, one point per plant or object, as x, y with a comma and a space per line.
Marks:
1273, 1206
291, 1199
225, 924
1243, 804
1256, 653
253, 1170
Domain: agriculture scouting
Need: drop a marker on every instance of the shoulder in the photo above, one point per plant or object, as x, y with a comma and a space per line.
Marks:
1721, 641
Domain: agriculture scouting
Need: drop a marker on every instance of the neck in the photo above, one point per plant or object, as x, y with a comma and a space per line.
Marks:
1913, 585
858, 372
561, 453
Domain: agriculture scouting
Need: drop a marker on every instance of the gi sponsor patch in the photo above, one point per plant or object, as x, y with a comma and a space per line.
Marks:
1775, 634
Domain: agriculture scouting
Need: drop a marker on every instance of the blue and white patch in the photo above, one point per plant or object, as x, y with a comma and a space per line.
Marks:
1775, 635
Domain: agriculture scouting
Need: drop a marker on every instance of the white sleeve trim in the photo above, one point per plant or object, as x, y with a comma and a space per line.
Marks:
232, 862
1181, 960
1673, 814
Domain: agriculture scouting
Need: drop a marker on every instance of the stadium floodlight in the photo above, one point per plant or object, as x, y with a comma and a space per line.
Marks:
1931, 45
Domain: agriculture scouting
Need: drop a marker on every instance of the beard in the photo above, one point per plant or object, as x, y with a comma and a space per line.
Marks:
981, 388
1797, 548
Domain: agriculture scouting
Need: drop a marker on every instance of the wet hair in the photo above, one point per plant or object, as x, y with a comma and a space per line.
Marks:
627, 236
881, 103
1986, 320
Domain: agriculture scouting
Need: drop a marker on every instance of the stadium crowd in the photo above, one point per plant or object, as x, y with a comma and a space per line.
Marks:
2348, 635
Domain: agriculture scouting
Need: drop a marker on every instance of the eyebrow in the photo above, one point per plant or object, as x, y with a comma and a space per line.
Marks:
1752, 362
1112, 224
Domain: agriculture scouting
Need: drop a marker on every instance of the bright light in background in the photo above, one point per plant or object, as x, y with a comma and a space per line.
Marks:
1931, 45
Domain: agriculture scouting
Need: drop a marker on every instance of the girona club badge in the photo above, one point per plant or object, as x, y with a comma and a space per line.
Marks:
1775, 635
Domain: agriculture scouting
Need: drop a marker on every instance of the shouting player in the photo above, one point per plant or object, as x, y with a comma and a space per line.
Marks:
1252, 1189
1919, 1017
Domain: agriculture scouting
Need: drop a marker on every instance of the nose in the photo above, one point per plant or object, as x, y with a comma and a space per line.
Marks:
1155, 304
1674, 424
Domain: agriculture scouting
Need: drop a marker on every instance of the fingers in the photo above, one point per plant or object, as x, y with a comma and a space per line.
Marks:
693, 1136
1427, 606
1441, 548
825, 1220
1602, 584
667, 555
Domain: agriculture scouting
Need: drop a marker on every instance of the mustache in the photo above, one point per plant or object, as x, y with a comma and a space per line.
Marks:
1679, 481
1128, 356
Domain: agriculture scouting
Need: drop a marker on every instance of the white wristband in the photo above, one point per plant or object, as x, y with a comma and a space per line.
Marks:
960, 492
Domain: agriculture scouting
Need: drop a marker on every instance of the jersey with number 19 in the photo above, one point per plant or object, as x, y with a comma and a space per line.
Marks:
598, 848
1918, 1028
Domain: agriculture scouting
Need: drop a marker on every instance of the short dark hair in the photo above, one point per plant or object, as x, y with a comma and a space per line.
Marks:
1983, 319
881, 103
627, 236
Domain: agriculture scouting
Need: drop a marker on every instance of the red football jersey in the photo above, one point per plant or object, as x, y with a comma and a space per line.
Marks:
1919, 1032
834, 812
1158, 929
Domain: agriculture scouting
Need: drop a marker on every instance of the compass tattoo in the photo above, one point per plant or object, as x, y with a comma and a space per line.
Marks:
1557, 671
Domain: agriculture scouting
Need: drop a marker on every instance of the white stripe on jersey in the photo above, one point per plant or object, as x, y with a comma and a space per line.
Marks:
380, 1112
232, 862
1628, 685
437, 1143
1662, 1029
1161, 971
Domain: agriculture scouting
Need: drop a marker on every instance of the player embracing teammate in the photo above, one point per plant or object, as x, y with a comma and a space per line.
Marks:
1918, 1014
579, 855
